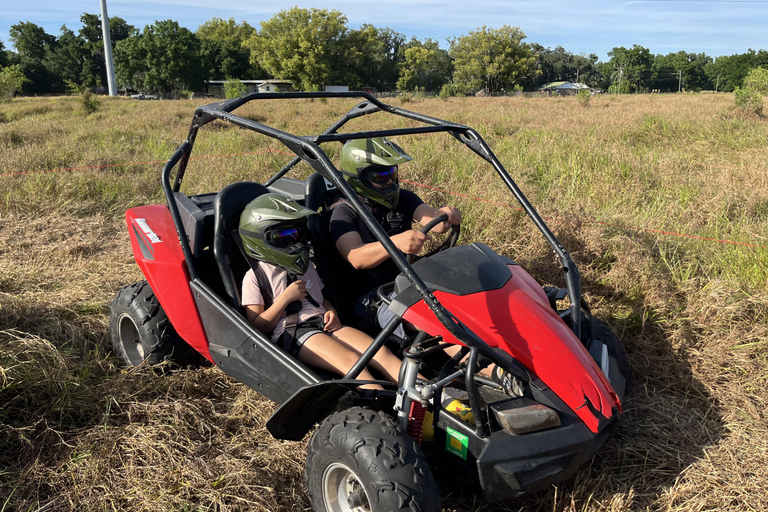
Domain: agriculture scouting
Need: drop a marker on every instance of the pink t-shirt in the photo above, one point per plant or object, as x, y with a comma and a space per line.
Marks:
278, 277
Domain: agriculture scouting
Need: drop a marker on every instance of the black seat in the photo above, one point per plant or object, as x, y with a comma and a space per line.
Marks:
228, 206
320, 195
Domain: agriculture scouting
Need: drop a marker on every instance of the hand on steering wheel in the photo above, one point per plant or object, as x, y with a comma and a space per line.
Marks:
450, 241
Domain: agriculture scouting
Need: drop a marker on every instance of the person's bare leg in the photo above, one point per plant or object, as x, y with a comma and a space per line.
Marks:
385, 362
454, 349
326, 352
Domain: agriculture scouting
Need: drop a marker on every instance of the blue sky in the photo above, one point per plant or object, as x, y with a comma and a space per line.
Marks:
714, 27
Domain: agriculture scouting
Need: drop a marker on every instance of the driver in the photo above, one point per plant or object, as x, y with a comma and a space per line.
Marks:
370, 166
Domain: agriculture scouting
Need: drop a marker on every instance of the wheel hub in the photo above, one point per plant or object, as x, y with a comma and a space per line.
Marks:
343, 491
129, 338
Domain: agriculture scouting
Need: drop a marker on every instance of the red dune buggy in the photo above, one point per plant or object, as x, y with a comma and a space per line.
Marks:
369, 452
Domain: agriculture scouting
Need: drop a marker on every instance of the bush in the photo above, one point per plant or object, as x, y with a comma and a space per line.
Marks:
233, 88
11, 80
757, 79
87, 100
583, 96
749, 100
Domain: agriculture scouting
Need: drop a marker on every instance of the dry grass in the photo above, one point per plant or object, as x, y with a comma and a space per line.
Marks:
77, 433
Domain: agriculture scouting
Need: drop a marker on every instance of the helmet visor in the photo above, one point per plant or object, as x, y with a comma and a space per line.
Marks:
284, 237
380, 175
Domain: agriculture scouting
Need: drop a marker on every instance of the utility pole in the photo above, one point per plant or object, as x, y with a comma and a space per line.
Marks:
108, 49
717, 83
621, 74
679, 80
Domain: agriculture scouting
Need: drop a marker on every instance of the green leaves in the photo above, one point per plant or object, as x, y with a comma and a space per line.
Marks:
11, 80
425, 66
301, 45
492, 59
164, 57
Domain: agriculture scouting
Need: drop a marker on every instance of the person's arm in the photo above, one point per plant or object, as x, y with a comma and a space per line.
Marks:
425, 213
361, 255
265, 320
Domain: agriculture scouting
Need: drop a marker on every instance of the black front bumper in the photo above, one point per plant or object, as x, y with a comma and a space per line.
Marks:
509, 465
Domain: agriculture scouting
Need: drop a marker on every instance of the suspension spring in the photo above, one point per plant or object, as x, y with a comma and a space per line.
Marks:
416, 420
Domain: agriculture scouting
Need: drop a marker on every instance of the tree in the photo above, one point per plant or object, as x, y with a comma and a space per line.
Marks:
370, 58
93, 69
30, 40
728, 72
67, 58
164, 57
492, 59
424, 66
33, 47
632, 67
559, 64
681, 69
222, 50
302, 45
3, 56
11, 81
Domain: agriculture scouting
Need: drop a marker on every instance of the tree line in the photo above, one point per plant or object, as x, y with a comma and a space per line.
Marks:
316, 47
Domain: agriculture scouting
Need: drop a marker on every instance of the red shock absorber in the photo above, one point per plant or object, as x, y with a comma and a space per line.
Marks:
416, 420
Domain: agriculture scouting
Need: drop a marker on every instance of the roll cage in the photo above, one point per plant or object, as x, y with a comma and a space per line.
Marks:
307, 149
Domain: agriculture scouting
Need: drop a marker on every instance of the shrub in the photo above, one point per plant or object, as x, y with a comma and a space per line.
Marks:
757, 79
233, 88
583, 96
87, 100
11, 80
749, 100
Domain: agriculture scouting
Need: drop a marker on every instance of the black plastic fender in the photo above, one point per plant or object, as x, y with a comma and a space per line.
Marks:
309, 405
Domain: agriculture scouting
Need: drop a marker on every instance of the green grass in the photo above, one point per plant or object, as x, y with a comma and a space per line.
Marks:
77, 433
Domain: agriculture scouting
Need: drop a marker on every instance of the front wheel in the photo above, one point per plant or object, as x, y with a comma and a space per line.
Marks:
360, 460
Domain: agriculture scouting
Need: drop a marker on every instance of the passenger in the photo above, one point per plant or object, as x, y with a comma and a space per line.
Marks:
283, 298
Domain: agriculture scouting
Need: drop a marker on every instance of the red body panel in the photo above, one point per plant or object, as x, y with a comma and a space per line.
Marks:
157, 251
518, 319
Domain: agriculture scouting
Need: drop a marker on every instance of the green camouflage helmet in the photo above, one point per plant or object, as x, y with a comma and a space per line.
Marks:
364, 162
273, 229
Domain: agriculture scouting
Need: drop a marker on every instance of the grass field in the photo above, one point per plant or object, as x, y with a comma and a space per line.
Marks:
661, 199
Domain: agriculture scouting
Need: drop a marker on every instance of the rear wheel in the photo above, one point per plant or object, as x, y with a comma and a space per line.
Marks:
360, 460
139, 327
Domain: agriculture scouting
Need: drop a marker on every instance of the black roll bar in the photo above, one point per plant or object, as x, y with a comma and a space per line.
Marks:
307, 148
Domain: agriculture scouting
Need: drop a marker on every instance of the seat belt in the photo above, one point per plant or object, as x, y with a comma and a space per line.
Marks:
291, 319
291, 312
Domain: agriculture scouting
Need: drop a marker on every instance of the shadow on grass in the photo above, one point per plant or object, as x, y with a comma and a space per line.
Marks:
669, 417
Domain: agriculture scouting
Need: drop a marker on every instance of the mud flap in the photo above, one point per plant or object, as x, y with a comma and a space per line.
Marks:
308, 406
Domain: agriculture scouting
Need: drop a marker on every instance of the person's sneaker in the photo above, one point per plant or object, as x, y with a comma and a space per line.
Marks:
510, 384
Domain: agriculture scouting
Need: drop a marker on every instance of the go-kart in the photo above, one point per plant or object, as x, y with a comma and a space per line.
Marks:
376, 450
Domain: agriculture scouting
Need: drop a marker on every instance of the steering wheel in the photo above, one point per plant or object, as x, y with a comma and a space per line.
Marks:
450, 240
